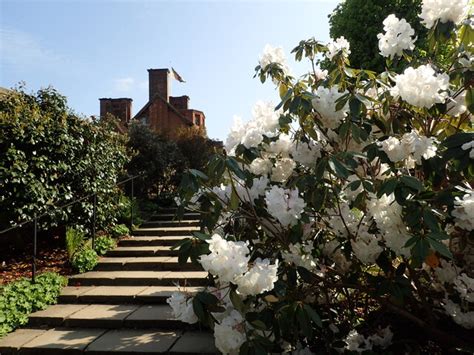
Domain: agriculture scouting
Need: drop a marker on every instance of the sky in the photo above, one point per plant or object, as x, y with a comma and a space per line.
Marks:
88, 49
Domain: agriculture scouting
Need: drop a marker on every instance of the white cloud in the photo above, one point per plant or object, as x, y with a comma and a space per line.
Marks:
129, 84
21, 49
124, 84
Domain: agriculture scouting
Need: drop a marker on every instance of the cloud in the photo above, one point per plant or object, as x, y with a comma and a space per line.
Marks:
21, 49
124, 84
129, 84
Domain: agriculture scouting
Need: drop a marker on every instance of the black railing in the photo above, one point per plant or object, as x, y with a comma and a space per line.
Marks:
94, 215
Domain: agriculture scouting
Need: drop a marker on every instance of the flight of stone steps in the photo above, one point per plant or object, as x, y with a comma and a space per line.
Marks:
120, 307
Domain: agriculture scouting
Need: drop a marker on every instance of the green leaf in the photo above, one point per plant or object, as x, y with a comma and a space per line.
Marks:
313, 315
338, 168
199, 174
470, 99
202, 236
440, 247
430, 220
237, 301
234, 200
207, 298
411, 182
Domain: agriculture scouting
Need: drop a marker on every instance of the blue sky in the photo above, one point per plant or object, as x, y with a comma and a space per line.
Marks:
89, 49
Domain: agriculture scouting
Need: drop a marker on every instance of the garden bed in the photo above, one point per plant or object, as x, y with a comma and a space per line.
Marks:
15, 262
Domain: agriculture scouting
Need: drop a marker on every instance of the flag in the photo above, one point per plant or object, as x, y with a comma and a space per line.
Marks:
177, 76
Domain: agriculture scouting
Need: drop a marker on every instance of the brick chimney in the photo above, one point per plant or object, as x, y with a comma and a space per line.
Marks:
180, 102
120, 108
159, 83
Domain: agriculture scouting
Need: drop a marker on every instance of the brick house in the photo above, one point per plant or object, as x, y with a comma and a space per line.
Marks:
163, 113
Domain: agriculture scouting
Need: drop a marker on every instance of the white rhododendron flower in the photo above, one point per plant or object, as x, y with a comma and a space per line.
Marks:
273, 55
258, 187
182, 307
469, 146
285, 205
268, 119
260, 278
464, 319
230, 333
235, 135
446, 272
443, 10
457, 105
252, 137
281, 146
260, 166
412, 145
340, 45
465, 286
306, 153
463, 211
283, 169
366, 248
320, 74
422, 86
387, 214
398, 37
358, 343
227, 259
325, 104
300, 255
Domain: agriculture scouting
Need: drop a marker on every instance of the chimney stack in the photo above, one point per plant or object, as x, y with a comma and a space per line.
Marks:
120, 108
159, 83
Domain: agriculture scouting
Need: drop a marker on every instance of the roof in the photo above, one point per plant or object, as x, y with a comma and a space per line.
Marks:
158, 96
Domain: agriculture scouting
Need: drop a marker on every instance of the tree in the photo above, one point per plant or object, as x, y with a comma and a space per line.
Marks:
359, 21
157, 158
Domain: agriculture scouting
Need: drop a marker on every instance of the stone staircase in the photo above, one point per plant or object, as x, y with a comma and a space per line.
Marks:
120, 307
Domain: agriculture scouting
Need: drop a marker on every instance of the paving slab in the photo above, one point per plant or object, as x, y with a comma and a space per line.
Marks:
111, 294
54, 315
153, 316
61, 341
159, 294
195, 342
17, 339
101, 316
133, 342
69, 294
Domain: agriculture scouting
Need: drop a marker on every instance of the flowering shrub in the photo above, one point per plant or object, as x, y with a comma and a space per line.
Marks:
344, 216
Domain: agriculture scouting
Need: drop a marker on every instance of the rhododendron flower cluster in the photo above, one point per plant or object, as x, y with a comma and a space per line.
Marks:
285, 205
464, 211
398, 37
340, 45
422, 86
443, 11
325, 104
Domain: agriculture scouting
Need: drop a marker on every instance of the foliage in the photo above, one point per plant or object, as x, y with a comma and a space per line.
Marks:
75, 239
195, 147
359, 21
49, 157
119, 230
20, 298
344, 218
103, 244
157, 158
84, 260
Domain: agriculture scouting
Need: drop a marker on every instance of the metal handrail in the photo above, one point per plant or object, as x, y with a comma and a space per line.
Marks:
94, 196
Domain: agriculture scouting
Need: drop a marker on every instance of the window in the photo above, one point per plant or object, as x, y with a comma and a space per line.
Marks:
197, 120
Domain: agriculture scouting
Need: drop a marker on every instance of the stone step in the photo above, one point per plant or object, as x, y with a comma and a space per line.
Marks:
106, 341
112, 316
166, 231
157, 263
121, 294
151, 241
140, 278
142, 251
158, 224
173, 217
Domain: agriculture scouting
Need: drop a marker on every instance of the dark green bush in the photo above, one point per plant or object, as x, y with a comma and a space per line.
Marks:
50, 156
103, 244
85, 260
20, 298
119, 230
